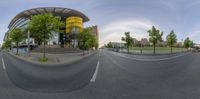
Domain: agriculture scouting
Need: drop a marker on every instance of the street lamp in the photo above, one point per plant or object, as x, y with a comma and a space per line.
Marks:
28, 43
141, 46
182, 45
120, 45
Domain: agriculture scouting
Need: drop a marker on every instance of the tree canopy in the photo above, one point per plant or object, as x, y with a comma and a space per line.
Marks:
188, 43
17, 36
109, 45
128, 40
43, 26
86, 39
6, 43
154, 36
171, 39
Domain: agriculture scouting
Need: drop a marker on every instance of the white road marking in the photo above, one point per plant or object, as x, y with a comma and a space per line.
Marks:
95, 73
4, 67
162, 59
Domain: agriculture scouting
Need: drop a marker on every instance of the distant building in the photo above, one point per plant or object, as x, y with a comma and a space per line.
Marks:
144, 41
94, 30
118, 45
135, 41
74, 21
179, 44
162, 43
197, 45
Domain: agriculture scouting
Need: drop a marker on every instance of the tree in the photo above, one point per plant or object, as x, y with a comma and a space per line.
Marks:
17, 36
91, 42
188, 43
128, 39
155, 36
96, 45
86, 40
171, 39
43, 26
191, 44
109, 45
6, 43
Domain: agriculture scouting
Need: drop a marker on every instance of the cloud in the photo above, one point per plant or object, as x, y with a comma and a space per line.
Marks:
194, 36
114, 31
2, 33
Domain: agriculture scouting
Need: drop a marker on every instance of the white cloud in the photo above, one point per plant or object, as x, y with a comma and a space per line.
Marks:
195, 35
2, 33
114, 31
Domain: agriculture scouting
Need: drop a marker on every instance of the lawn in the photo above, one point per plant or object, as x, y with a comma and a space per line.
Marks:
158, 49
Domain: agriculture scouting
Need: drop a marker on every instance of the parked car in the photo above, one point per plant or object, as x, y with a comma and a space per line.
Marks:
196, 49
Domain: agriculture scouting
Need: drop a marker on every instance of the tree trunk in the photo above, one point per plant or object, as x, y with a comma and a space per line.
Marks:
44, 50
154, 47
17, 48
44, 47
171, 49
128, 49
39, 42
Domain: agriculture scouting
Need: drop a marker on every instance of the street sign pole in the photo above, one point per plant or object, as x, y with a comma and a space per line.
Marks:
28, 48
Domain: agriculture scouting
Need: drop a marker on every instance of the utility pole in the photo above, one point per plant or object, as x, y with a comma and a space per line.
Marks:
120, 46
141, 46
28, 48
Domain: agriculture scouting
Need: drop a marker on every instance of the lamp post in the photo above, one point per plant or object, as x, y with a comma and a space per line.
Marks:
120, 45
182, 45
141, 46
28, 43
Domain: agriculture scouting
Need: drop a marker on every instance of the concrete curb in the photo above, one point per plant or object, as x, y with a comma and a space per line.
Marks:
50, 64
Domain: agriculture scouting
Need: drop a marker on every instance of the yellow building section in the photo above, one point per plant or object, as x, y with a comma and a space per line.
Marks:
74, 22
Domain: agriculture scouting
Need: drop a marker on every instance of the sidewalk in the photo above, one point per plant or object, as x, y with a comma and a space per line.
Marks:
55, 58
150, 52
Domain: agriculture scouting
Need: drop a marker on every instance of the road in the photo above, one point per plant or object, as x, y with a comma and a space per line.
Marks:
122, 76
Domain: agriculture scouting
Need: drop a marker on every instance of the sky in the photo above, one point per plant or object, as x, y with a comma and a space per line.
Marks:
114, 17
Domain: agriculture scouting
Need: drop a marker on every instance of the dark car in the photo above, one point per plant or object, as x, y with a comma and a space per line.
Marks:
196, 49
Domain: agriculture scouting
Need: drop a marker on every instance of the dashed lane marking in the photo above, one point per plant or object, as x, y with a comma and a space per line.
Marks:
95, 73
3, 64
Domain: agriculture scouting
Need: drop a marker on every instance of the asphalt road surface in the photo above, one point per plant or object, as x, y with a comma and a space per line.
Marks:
50, 77
119, 76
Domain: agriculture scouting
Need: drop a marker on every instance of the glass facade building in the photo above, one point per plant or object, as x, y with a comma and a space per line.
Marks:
74, 24
73, 20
